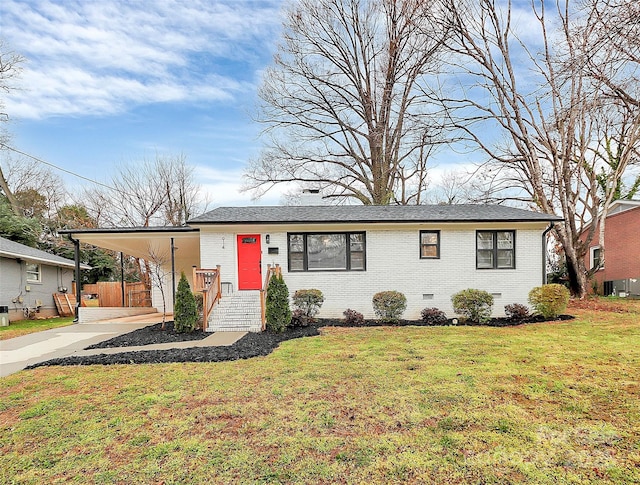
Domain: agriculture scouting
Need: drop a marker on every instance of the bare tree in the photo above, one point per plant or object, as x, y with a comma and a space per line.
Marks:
548, 108
157, 272
348, 104
162, 191
9, 70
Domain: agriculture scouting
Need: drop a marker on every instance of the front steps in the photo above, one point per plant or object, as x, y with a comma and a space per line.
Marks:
237, 312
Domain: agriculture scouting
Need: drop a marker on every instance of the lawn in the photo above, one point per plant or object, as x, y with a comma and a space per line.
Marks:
24, 327
542, 403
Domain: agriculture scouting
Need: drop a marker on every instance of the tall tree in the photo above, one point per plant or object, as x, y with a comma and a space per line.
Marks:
548, 108
10, 69
348, 104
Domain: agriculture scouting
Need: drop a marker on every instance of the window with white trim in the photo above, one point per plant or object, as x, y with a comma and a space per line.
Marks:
341, 251
495, 249
595, 257
34, 273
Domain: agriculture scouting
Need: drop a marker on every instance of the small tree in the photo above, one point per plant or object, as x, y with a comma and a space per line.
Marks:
185, 309
474, 304
278, 312
157, 263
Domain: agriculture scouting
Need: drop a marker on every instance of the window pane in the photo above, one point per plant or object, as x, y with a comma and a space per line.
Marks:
296, 243
429, 251
485, 240
505, 240
485, 258
327, 251
357, 260
33, 272
505, 258
429, 238
296, 261
357, 242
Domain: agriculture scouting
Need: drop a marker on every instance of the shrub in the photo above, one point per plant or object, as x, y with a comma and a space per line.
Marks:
389, 305
307, 304
352, 317
476, 305
199, 297
549, 300
433, 316
185, 309
516, 311
299, 319
277, 312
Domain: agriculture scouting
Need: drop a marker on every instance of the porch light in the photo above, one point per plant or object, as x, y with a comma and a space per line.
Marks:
267, 238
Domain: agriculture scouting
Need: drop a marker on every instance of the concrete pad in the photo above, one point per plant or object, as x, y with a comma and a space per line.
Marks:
20, 352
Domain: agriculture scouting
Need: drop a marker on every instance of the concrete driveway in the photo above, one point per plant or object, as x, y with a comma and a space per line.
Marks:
20, 352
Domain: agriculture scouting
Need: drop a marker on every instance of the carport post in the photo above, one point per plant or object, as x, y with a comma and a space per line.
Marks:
122, 277
76, 252
173, 273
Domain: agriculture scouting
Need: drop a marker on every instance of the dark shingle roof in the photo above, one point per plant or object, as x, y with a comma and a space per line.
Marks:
369, 214
13, 250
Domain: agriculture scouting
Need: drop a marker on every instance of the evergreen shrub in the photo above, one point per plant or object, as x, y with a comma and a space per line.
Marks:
185, 309
473, 304
389, 305
278, 312
549, 300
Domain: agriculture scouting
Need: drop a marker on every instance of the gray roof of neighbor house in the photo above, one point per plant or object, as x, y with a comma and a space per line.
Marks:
369, 214
13, 250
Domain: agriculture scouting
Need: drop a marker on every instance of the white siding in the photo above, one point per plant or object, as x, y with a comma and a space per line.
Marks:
393, 263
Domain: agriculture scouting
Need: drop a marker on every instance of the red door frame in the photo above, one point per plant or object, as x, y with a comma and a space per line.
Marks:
249, 261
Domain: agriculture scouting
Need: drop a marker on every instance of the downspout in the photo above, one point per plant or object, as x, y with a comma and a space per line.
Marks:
544, 253
173, 273
76, 246
122, 278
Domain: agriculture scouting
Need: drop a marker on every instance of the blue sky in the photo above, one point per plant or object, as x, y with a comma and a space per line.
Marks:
113, 81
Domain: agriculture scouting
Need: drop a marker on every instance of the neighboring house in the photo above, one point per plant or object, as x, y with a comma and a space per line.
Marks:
620, 274
351, 252
29, 277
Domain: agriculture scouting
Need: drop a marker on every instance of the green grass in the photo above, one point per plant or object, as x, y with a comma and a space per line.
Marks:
24, 327
541, 404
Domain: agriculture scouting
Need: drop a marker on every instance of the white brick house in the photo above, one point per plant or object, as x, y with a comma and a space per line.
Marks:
351, 252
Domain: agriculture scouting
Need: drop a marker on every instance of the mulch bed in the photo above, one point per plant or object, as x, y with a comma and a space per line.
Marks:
251, 345
153, 334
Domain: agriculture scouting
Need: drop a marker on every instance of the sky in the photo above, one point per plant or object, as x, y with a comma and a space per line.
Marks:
111, 82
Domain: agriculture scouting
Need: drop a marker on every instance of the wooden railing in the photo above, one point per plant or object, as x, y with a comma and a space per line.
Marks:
208, 282
271, 270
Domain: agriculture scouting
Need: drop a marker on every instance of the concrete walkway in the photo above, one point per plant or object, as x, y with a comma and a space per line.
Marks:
20, 352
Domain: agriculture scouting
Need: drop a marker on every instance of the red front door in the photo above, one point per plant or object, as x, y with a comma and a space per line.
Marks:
249, 262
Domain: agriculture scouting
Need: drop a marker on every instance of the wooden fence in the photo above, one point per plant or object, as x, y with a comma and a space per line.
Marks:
109, 294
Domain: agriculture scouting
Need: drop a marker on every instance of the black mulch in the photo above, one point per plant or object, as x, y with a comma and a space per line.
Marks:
251, 345
153, 334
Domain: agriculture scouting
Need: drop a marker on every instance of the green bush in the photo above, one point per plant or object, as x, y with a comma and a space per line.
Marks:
278, 313
389, 305
185, 309
549, 300
476, 305
306, 305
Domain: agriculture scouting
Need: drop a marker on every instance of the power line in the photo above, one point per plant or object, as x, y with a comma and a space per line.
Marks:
58, 168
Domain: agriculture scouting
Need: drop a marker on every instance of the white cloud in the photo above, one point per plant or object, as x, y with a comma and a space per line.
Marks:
103, 57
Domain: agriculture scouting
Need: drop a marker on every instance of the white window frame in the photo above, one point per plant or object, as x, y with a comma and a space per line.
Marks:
30, 273
592, 258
